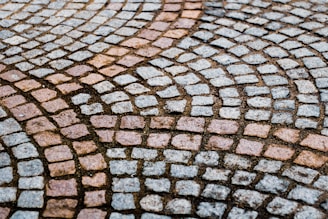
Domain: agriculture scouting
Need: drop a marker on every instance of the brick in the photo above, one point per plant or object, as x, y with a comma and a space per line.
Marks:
223, 127
61, 188
249, 147
43, 95
191, 124
75, 131
219, 143
257, 130
93, 162
310, 159
162, 122
84, 147
287, 135
105, 135
58, 153
132, 122
279, 152
62, 168
158, 140
317, 142
60, 208
39, 125
128, 138
95, 198
187, 142
55, 105
97, 180
46, 138
79, 70
26, 111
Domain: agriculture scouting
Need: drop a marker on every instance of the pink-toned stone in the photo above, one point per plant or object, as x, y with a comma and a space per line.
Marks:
310, 159
162, 122
27, 85
62, 168
58, 78
103, 121
128, 138
58, 153
79, 70
191, 124
95, 198
66, 118
75, 131
176, 34
166, 16
279, 152
187, 142
257, 130
69, 87
60, 208
130, 60
105, 135
44, 94
191, 5
317, 142
184, 23
112, 70
223, 127
132, 122
91, 213
92, 79
191, 14
12, 76
172, 7
55, 105
287, 135
135, 42
57, 188
117, 51
163, 42
27, 111
249, 147
101, 60
39, 125
148, 51
6, 91
13, 101
93, 162
97, 180
46, 138
158, 140
4, 212
149, 34
219, 143
159, 25
84, 147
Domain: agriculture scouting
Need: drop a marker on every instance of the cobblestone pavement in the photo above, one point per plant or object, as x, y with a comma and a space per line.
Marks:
159, 109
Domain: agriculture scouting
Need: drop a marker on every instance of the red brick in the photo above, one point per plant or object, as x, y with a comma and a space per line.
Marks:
6, 91
112, 70
60, 208
92, 79
47, 138
62, 168
39, 125
54, 105
58, 78
317, 142
4, 212
135, 43
58, 153
310, 159
187, 142
79, 70
176, 34
219, 143
128, 138
223, 127
132, 122
69, 87
27, 85
93, 162
184, 23
191, 124
159, 25
287, 135
166, 16
117, 51
84, 147
12, 76
25, 112
13, 101
66, 118
149, 34
148, 51
103, 121
75, 131
163, 42
158, 140
130, 60
91, 213
44, 94
257, 130
97, 180
95, 198
101, 60
105, 135
279, 152
162, 122
61, 188
249, 147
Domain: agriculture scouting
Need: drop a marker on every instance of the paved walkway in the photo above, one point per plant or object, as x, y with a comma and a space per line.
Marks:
163, 109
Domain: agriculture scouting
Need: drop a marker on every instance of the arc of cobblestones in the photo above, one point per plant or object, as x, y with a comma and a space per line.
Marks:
159, 165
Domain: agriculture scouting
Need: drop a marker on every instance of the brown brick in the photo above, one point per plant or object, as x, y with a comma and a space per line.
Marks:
317, 142
84, 147
187, 142
257, 130
60, 208
219, 143
61, 188
97, 180
310, 159
287, 135
158, 140
132, 122
75, 131
128, 138
249, 147
223, 127
47, 138
95, 198
58, 153
93, 162
279, 152
62, 168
